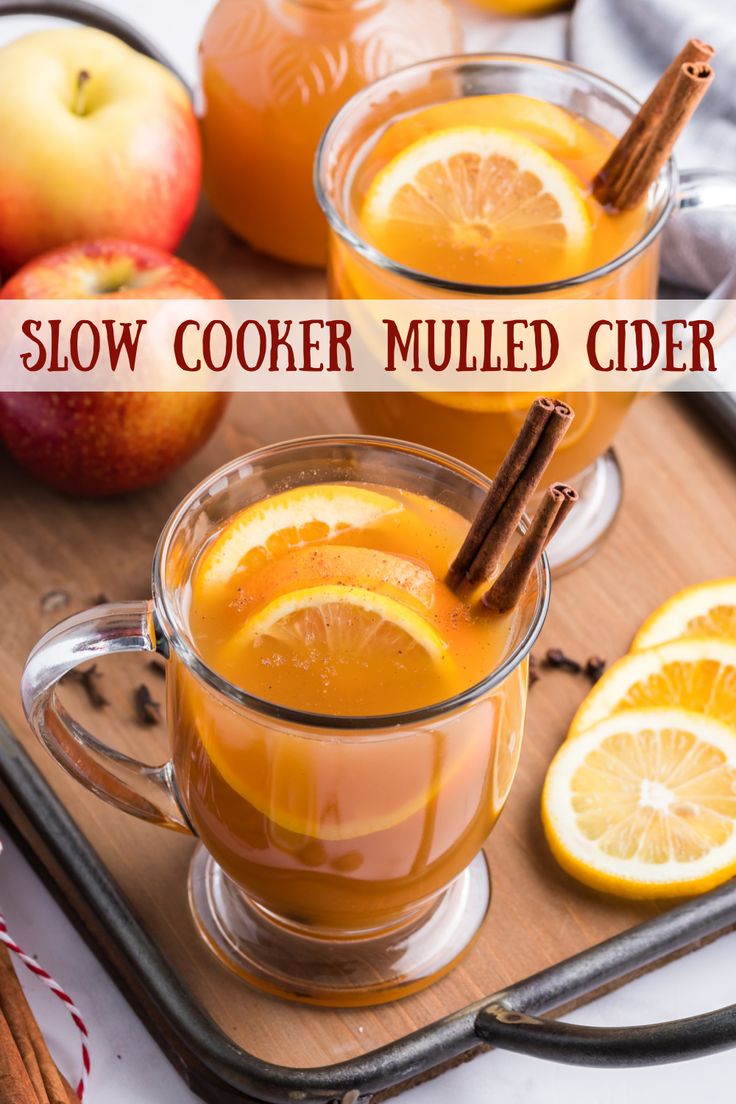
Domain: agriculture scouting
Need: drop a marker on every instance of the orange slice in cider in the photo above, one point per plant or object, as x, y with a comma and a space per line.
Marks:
312, 787
346, 564
317, 788
551, 127
289, 520
346, 622
480, 205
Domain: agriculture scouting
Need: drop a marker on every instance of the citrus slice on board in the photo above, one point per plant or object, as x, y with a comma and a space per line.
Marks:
288, 520
478, 204
643, 804
708, 609
343, 622
698, 674
346, 564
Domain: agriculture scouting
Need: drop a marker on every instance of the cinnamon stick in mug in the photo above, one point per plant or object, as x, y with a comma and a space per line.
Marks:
640, 153
508, 588
516, 481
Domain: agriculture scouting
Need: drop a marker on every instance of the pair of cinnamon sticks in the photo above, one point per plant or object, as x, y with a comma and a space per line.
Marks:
28, 1073
501, 511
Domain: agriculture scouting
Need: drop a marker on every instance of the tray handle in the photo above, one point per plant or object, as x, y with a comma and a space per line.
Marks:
91, 15
647, 1045
147, 792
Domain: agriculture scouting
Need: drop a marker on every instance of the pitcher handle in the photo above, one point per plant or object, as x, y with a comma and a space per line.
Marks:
147, 792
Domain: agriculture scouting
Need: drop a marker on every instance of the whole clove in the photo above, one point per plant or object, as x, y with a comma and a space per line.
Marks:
149, 711
157, 667
101, 599
88, 678
594, 667
556, 659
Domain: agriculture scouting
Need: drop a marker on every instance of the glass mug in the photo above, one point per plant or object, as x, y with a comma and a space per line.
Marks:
333, 918
479, 429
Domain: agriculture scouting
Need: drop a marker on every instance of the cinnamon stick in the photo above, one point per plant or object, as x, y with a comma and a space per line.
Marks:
71, 1096
15, 1084
642, 151
571, 497
518, 477
511, 583
46, 1082
691, 84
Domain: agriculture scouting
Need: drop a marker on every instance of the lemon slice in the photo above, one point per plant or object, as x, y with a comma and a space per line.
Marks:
343, 621
477, 204
288, 520
643, 804
698, 674
708, 609
346, 564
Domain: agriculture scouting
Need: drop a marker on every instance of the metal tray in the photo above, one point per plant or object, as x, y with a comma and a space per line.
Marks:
221, 1072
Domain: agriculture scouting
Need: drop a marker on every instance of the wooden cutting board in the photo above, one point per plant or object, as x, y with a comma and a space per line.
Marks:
677, 526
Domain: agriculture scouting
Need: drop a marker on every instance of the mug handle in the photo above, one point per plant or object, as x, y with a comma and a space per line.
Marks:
710, 190
91, 15
147, 792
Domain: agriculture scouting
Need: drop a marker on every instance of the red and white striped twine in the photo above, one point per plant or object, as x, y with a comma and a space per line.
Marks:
56, 989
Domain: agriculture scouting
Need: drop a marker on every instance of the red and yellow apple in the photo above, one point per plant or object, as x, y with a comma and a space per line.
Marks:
99, 443
95, 140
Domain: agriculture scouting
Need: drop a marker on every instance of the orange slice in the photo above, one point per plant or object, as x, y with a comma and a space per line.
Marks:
315, 787
478, 204
350, 623
708, 609
643, 804
346, 564
698, 674
551, 127
284, 521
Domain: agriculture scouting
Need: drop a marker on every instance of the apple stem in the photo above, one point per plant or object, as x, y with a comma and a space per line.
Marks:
80, 102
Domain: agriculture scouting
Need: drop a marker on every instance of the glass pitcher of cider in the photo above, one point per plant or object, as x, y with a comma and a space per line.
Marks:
273, 73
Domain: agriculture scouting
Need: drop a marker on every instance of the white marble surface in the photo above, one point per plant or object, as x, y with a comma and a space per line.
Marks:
128, 1066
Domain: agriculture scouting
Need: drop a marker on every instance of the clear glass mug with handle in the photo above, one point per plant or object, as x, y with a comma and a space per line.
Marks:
478, 427
381, 885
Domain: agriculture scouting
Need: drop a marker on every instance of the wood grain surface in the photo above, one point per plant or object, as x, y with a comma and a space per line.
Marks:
677, 526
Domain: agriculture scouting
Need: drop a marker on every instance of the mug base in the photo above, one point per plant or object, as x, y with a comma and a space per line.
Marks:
349, 972
601, 491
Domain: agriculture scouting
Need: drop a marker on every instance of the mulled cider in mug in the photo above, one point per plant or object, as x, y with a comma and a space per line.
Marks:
344, 727
343, 610
473, 177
